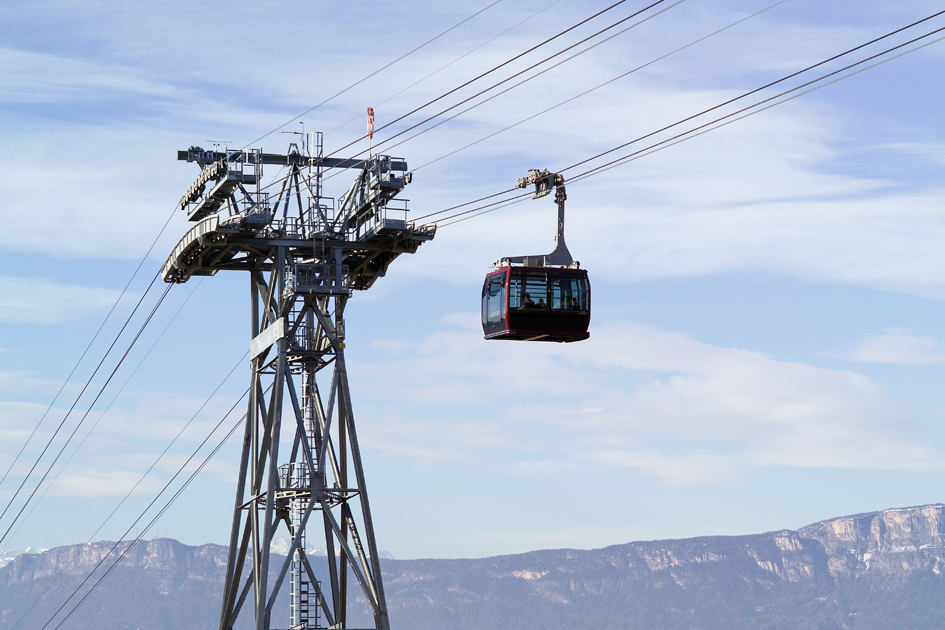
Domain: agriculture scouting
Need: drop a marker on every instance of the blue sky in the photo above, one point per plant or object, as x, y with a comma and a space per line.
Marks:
766, 346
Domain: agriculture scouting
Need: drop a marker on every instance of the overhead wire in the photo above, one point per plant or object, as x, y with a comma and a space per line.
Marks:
506, 203
87, 347
704, 130
767, 100
486, 73
701, 113
468, 203
148, 508
501, 65
443, 222
599, 86
157, 517
285, 177
516, 75
649, 63
441, 68
376, 72
75, 402
634, 157
141, 480
766, 86
529, 78
701, 130
105, 411
79, 424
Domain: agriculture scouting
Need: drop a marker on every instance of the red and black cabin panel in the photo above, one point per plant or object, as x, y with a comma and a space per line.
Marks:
536, 304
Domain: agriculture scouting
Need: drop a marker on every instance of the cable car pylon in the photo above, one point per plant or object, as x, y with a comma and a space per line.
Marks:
538, 298
304, 259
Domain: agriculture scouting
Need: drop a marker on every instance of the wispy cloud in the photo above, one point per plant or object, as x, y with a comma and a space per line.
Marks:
895, 347
686, 412
41, 301
32, 77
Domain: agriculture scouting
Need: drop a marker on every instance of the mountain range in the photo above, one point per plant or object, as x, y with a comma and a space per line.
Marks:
881, 570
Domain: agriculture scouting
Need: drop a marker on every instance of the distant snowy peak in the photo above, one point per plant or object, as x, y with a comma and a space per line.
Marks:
281, 546
7, 555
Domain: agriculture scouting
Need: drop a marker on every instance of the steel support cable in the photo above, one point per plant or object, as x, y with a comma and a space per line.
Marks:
450, 221
378, 71
102, 415
138, 483
649, 63
713, 108
149, 506
468, 203
724, 120
634, 157
755, 91
767, 100
503, 81
84, 352
447, 218
486, 73
75, 402
495, 205
527, 79
441, 68
597, 87
97, 396
157, 517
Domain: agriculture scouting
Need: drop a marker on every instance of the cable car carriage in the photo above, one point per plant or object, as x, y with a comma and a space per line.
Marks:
538, 298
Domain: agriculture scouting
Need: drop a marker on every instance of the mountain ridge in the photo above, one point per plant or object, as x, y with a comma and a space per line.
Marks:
872, 570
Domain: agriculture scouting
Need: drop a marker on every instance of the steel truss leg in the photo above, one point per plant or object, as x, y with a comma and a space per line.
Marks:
296, 336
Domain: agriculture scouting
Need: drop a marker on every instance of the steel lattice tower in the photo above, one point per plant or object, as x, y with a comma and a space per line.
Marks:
304, 259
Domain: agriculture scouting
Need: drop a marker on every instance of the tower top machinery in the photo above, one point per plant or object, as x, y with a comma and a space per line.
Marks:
305, 256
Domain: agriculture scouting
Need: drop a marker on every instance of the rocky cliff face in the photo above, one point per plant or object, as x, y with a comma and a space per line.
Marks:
869, 571
891, 544
158, 584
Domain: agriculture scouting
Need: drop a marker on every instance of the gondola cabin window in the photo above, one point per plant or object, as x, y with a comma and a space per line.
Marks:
550, 291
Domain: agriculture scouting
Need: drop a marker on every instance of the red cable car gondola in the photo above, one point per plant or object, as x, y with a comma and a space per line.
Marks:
538, 298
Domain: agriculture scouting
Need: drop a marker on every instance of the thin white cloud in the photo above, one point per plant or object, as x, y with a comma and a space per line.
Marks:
42, 301
31, 77
685, 412
18, 382
122, 443
933, 152
896, 347
96, 482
